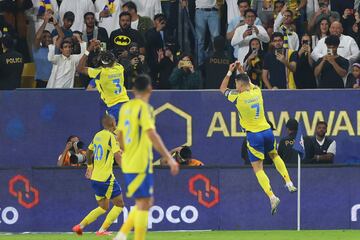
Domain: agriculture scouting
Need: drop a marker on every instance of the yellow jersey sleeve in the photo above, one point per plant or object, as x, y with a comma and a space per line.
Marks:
114, 145
147, 118
231, 95
91, 146
93, 72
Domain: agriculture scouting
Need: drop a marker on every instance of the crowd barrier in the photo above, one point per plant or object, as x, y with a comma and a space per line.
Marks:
54, 199
35, 124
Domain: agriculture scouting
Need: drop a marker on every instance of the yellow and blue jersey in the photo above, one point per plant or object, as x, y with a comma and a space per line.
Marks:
104, 146
110, 84
136, 118
250, 108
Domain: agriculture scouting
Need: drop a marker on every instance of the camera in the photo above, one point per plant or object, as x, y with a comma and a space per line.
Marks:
77, 158
306, 42
330, 51
184, 63
279, 51
249, 28
255, 51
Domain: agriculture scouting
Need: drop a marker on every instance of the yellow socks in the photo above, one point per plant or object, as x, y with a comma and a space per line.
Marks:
111, 217
264, 183
141, 224
92, 216
281, 168
129, 223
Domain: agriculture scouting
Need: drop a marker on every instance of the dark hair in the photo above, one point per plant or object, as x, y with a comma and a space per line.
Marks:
250, 10
292, 124
242, 77
219, 43
318, 31
160, 17
70, 137
142, 82
260, 51
243, 1
277, 34
78, 32
46, 31
185, 153
130, 5
332, 40
125, 14
186, 55
321, 123
65, 42
69, 16
8, 41
279, 1
107, 58
89, 14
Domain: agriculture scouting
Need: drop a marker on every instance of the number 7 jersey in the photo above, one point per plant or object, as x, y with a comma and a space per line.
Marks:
110, 84
250, 108
135, 119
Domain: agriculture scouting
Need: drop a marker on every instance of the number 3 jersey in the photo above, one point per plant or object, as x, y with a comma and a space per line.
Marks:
104, 146
110, 84
250, 108
136, 118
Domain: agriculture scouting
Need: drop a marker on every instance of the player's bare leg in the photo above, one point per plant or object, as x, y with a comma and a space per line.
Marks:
138, 219
265, 184
92, 216
116, 210
281, 168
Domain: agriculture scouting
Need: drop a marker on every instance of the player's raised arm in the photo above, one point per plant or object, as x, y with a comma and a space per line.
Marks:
225, 82
160, 147
81, 68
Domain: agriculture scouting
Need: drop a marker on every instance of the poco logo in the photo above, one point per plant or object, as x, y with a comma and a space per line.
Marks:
174, 214
8, 215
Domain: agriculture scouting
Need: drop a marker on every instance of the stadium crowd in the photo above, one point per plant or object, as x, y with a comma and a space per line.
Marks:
182, 44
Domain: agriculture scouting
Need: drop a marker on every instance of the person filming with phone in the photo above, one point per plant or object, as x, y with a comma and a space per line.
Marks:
331, 68
184, 76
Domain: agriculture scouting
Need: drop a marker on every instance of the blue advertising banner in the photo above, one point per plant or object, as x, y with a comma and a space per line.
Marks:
35, 124
196, 199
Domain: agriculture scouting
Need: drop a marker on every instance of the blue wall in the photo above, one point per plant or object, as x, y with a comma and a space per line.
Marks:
34, 124
65, 197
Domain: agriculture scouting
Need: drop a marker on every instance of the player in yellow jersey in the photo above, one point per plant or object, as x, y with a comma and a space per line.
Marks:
100, 155
260, 138
137, 135
109, 79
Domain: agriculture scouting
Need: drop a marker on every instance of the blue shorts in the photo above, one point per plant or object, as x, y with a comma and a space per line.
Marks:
114, 111
259, 144
109, 189
139, 185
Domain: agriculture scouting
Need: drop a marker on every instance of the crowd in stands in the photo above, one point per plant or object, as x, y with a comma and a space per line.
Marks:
183, 44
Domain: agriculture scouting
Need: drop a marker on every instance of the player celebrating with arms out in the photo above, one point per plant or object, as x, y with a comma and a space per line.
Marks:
260, 138
109, 79
104, 148
137, 135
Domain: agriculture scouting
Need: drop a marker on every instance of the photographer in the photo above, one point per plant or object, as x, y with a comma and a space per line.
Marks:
73, 154
185, 76
254, 61
323, 12
332, 68
183, 156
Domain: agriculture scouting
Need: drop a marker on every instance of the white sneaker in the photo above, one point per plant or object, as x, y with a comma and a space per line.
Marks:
274, 201
290, 186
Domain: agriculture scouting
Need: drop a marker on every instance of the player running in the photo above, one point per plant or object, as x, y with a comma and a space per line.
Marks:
103, 148
109, 79
137, 135
260, 138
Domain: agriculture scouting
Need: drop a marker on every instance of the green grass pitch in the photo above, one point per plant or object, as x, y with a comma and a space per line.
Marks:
207, 235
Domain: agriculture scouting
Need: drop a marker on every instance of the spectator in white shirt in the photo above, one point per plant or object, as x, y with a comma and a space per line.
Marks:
79, 8
148, 8
284, 24
347, 49
238, 21
108, 16
245, 33
64, 65
139, 23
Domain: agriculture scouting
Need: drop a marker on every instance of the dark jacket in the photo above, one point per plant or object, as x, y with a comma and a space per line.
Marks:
180, 79
145, 23
11, 67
